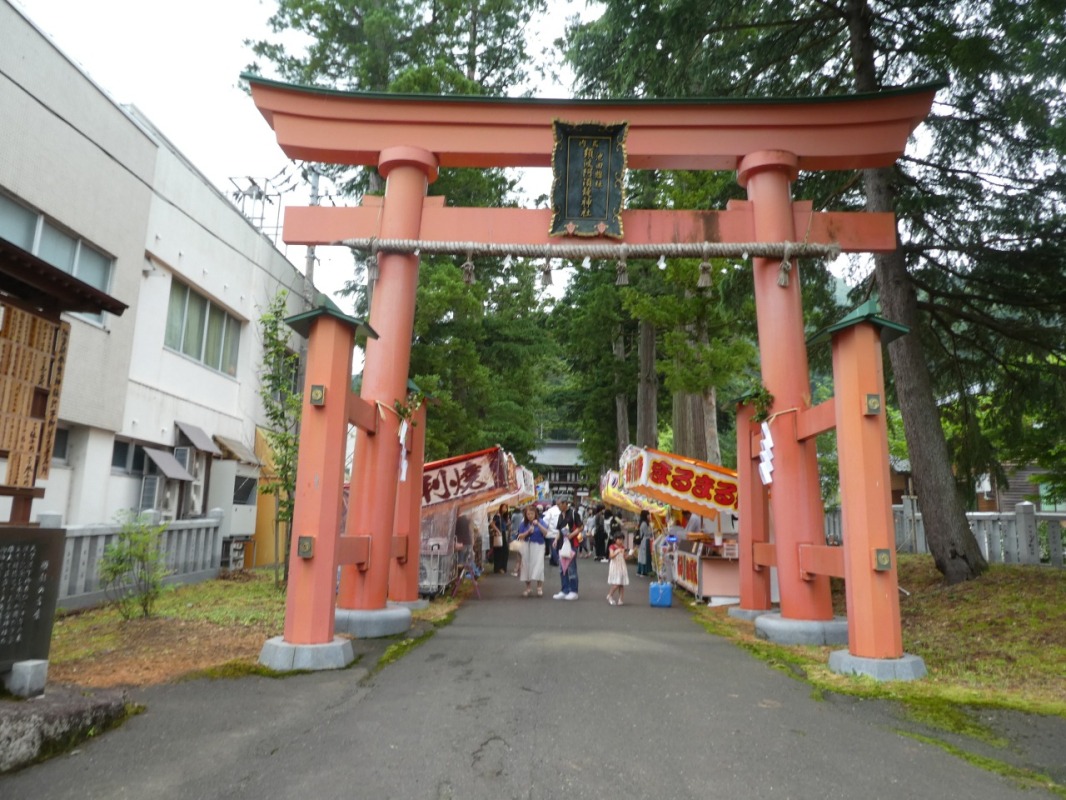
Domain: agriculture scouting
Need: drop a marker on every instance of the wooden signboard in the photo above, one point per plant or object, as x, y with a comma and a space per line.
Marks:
33, 353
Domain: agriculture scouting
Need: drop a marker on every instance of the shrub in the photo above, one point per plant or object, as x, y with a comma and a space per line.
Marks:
133, 566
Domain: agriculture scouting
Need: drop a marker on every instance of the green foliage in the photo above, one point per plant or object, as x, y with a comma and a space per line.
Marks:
480, 351
980, 196
133, 566
282, 401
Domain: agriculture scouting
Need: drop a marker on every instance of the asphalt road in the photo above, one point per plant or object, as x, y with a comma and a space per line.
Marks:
518, 698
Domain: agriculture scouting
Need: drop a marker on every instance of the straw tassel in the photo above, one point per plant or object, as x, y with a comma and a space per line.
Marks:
546, 274
621, 270
786, 266
468, 268
704, 281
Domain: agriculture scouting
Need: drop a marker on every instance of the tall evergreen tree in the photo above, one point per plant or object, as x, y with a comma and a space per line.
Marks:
979, 199
477, 347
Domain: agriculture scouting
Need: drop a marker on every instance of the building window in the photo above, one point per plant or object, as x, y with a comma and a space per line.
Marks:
127, 457
244, 491
38, 235
61, 445
202, 330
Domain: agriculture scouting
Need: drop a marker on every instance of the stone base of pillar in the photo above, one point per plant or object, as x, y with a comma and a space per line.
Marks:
907, 668
27, 678
777, 629
747, 613
372, 624
413, 605
282, 656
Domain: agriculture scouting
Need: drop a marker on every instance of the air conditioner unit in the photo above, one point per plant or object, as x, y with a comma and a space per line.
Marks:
184, 456
168, 500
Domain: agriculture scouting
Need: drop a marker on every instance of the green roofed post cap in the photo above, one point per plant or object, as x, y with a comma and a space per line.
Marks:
301, 323
867, 312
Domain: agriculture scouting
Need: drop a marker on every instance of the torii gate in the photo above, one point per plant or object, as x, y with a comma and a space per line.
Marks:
766, 142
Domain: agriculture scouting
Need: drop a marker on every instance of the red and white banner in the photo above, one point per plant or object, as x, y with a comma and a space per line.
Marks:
685, 483
466, 479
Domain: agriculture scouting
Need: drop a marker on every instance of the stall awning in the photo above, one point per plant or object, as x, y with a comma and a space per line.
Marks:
696, 486
467, 479
234, 449
168, 465
199, 438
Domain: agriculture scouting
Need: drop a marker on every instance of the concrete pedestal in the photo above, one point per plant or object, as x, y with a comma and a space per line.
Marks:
747, 613
279, 655
411, 605
27, 678
907, 668
373, 624
776, 628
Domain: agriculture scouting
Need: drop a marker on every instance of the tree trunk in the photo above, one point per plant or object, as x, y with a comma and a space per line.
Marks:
710, 425
710, 414
690, 438
951, 542
647, 388
621, 401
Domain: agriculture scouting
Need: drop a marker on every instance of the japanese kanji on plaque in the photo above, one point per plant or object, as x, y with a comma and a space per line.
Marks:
588, 178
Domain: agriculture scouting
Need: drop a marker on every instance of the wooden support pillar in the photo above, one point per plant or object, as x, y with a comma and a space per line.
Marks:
869, 535
309, 603
372, 508
795, 496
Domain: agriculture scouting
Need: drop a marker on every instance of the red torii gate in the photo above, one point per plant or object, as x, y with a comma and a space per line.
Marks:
766, 142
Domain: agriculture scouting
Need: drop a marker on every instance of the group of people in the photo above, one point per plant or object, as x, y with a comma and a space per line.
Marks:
559, 536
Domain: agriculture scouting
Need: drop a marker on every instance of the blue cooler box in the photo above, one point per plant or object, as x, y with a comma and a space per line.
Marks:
661, 594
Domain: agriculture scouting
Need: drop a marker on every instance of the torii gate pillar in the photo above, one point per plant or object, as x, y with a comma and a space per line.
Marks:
361, 601
795, 497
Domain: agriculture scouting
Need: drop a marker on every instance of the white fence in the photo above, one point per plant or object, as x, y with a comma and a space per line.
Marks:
1024, 536
193, 550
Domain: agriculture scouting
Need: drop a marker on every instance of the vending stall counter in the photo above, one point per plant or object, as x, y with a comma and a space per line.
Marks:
709, 572
707, 563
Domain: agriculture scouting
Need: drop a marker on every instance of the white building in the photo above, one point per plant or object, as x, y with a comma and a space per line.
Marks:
160, 405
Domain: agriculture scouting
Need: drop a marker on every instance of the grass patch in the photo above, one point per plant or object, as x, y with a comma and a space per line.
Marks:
237, 669
997, 642
394, 652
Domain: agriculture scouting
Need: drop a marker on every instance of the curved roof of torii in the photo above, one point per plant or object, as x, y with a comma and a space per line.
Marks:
824, 133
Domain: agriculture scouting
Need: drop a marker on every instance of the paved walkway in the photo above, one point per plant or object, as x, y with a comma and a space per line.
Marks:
518, 698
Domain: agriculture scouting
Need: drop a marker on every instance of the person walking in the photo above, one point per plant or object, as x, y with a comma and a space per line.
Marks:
600, 534
498, 528
611, 526
531, 536
617, 572
517, 515
551, 520
566, 545
644, 540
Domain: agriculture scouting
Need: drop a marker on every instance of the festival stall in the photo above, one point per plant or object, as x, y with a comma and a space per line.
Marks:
614, 494
707, 563
456, 495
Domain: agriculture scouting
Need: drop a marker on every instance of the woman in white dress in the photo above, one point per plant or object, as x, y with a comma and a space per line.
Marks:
531, 536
